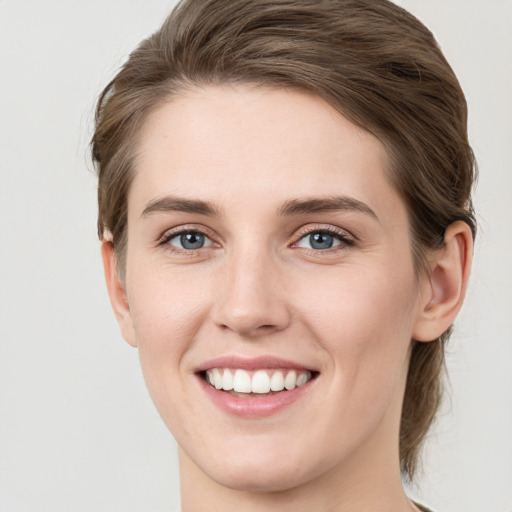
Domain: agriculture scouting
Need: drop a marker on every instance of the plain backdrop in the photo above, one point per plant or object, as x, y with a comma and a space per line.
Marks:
78, 431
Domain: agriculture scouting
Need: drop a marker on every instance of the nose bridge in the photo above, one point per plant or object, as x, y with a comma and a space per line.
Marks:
250, 300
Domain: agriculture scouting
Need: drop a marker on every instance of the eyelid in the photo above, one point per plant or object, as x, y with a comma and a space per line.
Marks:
169, 234
324, 228
346, 238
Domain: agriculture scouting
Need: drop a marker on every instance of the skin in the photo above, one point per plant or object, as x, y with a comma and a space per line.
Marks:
258, 288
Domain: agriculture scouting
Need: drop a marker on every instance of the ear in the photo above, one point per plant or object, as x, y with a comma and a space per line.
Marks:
446, 286
117, 293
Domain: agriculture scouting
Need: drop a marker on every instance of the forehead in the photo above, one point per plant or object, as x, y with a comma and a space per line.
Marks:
239, 143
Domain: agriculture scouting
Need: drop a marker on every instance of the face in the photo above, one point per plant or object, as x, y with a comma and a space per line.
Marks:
269, 255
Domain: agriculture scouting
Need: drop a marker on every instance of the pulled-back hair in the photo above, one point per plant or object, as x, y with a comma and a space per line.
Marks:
371, 60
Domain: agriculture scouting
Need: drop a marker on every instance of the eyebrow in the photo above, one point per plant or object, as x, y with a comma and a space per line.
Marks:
169, 204
179, 204
325, 204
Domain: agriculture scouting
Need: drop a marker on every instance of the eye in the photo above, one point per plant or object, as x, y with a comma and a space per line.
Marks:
321, 240
189, 240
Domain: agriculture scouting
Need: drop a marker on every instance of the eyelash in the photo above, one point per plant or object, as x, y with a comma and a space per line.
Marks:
168, 236
345, 239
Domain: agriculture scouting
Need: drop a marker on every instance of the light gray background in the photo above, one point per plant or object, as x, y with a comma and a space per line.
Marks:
77, 428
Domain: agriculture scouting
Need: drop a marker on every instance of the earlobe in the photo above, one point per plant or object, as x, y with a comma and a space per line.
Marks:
447, 285
117, 292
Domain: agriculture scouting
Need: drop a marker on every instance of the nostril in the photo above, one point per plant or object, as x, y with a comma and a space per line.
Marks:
249, 327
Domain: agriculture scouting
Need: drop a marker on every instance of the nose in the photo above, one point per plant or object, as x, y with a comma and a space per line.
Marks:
250, 299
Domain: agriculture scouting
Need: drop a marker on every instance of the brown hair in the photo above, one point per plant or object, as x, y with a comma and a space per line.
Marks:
371, 60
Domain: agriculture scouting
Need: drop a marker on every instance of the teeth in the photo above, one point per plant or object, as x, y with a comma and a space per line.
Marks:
227, 380
242, 382
217, 379
260, 382
291, 380
277, 381
302, 378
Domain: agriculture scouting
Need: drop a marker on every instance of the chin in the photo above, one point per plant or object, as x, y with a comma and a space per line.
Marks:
261, 476
246, 480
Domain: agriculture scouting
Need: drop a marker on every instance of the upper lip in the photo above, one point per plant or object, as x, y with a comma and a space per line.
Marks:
251, 363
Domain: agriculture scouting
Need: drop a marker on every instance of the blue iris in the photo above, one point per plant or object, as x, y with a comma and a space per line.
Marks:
321, 241
192, 241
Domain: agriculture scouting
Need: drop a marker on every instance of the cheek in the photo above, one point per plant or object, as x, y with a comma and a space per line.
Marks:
364, 324
167, 310
164, 304
363, 318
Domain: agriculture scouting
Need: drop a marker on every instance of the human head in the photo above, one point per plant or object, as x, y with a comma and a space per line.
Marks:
372, 61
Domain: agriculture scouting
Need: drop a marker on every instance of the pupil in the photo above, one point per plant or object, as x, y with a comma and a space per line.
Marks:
192, 240
321, 241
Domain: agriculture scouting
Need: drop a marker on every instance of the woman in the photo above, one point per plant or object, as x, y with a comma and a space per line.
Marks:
287, 230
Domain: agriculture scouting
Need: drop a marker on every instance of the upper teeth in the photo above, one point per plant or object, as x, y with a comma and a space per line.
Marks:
260, 382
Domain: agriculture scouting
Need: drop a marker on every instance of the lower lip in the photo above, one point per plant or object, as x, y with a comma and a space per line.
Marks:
257, 407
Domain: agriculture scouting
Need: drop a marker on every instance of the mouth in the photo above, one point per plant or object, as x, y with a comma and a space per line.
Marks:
255, 387
256, 383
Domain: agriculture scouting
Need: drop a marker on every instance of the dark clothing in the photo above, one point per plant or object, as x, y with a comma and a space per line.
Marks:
422, 507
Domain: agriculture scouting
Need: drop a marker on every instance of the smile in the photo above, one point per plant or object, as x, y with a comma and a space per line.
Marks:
260, 382
255, 387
